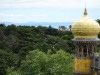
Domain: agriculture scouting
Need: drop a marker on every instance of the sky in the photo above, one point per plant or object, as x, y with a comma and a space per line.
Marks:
20, 11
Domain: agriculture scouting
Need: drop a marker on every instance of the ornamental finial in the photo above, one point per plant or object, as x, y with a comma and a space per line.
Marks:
85, 11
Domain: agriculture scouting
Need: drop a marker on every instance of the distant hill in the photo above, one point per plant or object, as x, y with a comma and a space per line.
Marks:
53, 24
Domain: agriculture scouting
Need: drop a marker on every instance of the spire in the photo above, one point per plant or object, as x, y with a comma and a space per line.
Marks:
85, 12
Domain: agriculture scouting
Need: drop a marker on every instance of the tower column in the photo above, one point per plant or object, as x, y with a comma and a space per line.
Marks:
85, 33
83, 60
87, 51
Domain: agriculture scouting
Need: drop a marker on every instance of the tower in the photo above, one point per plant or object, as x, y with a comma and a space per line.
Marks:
85, 39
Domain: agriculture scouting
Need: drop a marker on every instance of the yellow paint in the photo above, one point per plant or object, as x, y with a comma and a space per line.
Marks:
83, 65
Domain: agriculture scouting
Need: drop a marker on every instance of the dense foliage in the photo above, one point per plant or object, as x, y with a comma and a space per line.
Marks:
17, 41
39, 63
19, 47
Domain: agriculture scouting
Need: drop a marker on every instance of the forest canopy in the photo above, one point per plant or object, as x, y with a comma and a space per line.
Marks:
17, 41
27, 50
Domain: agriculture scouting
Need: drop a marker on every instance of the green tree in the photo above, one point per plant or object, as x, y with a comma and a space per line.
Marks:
98, 20
51, 31
40, 63
63, 28
6, 60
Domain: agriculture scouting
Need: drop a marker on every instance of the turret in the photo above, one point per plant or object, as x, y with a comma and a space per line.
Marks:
85, 39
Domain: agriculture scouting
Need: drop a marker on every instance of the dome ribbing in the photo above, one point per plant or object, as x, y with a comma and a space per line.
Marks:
85, 27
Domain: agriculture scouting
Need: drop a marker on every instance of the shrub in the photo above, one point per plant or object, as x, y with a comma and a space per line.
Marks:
40, 63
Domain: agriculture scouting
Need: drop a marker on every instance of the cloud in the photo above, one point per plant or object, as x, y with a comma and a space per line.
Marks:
49, 3
20, 17
34, 11
10, 15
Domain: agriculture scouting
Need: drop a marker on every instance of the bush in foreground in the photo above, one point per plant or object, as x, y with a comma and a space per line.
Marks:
40, 63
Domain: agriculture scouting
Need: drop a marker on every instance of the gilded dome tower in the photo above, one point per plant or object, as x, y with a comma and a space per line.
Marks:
85, 39
85, 27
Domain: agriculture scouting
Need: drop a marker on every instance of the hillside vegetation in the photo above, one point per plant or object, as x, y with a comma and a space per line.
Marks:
30, 50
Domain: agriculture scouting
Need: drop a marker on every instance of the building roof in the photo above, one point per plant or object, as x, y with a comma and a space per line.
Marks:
85, 27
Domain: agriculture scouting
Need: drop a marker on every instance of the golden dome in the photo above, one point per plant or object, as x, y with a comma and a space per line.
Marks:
85, 27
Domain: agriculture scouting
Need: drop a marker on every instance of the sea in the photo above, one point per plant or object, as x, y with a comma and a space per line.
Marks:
47, 24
